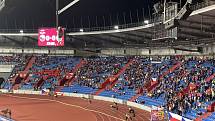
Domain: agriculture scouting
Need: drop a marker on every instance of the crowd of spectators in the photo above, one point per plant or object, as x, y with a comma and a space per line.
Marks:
187, 87
19, 61
51, 69
98, 69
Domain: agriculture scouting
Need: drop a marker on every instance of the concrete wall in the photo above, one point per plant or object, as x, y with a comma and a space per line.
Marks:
6, 68
207, 50
113, 51
149, 52
36, 51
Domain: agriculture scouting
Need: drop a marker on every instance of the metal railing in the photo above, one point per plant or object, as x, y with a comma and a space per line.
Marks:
93, 29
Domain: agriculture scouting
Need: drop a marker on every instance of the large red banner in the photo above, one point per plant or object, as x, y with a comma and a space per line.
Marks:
49, 37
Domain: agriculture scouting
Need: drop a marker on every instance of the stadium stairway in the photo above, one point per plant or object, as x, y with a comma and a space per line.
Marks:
40, 82
207, 116
171, 69
210, 107
30, 63
210, 77
28, 66
153, 85
204, 116
192, 86
63, 81
47, 74
134, 97
112, 80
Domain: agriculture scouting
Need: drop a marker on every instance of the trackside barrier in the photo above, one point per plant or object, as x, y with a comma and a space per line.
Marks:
3, 91
140, 106
108, 99
27, 92
76, 95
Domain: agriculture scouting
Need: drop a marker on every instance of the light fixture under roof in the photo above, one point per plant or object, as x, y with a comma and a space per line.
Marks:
81, 30
146, 22
116, 27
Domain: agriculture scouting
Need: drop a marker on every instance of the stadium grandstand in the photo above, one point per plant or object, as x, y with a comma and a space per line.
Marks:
68, 60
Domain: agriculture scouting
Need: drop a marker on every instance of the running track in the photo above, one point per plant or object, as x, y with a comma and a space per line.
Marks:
43, 108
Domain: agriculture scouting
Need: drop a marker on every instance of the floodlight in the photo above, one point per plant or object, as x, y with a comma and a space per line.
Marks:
146, 21
116, 27
81, 30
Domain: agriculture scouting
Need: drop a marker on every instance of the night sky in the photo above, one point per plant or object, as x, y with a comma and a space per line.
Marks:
28, 14
32, 14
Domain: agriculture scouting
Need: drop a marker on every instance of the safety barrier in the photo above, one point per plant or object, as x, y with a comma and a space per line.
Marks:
108, 99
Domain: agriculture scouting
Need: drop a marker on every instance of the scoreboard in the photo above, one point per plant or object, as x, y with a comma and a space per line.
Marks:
50, 37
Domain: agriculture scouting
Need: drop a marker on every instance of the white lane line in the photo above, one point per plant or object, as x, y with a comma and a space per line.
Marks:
30, 98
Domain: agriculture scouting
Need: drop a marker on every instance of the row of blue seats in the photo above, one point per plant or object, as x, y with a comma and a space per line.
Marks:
210, 118
79, 89
150, 101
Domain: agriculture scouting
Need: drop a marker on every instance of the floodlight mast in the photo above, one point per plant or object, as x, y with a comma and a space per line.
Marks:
164, 18
57, 15
58, 12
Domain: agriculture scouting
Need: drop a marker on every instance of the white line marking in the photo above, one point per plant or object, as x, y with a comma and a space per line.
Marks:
30, 98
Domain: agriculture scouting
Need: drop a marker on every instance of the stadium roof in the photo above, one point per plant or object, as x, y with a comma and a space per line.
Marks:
198, 29
28, 14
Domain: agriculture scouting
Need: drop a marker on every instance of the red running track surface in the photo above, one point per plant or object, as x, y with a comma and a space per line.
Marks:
44, 108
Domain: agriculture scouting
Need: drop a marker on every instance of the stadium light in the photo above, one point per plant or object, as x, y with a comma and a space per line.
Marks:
81, 30
21, 31
146, 22
116, 27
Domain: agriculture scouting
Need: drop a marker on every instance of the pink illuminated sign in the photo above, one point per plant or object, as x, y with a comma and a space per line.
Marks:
49, 37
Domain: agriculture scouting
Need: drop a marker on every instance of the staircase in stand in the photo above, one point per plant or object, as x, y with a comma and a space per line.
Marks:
134, 97
17, 80
112, 80
46, 74
205, 115
40, 82
63, 81
192, 86
153, 84
210, 78
30, 63
210, 109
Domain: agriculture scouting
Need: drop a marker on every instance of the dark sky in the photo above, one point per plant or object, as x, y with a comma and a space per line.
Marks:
35, 13
32, 14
